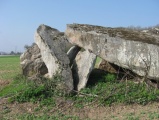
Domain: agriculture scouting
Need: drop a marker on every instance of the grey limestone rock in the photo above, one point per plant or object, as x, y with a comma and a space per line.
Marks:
52, 44
130, 49
31, 62
82, 67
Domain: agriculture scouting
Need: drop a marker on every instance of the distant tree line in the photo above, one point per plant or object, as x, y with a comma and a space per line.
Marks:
11, 53
15, 53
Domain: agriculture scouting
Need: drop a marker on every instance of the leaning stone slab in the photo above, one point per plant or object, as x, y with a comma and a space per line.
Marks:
52, 44
31, 62
127, 48
82, 67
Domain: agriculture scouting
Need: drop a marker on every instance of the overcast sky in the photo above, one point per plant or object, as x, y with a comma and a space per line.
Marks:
19, 19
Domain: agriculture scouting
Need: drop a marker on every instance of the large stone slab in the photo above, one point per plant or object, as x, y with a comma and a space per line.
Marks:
131, 49
82, 67
31, 62
52, 44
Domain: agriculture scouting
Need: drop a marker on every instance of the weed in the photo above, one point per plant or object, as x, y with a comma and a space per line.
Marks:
32, 93
48, 102
46, 117
43, 90
110, 77
6, 111
132, 118
153, 116
14, 87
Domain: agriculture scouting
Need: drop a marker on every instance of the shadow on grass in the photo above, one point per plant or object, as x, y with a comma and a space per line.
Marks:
96, 76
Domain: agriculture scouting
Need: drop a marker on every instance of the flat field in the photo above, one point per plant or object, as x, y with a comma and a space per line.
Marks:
9, 67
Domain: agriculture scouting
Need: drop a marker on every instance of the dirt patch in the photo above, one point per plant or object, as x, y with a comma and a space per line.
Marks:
4, 83
119, 112
10, 110
5, 71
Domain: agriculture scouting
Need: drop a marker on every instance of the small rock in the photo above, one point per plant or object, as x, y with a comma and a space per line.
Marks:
4, 107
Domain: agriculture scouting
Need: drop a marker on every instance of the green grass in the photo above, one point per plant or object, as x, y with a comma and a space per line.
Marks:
18, 84
29, 116
9, 67
9, 70
153, 115
131, 116
109, 90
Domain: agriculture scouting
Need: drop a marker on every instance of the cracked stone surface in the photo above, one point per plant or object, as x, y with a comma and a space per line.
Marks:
52, 44
82, 67
130, 49
32, 63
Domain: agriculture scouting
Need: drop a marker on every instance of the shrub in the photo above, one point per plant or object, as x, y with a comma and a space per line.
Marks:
38, 91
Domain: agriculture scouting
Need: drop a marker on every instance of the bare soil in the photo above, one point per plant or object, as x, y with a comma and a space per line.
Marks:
3, 83
119, 112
